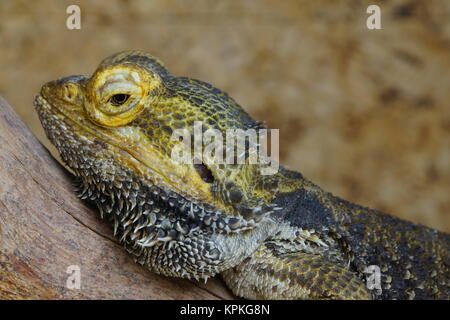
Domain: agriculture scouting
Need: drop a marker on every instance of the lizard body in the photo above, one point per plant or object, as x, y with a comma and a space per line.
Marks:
270, 236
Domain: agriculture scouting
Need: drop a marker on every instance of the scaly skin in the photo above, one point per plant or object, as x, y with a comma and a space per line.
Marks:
269, 236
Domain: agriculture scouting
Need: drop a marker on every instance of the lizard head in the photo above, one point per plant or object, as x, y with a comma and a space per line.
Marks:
115, 130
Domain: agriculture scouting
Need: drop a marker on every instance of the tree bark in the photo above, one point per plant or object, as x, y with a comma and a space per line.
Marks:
45, 229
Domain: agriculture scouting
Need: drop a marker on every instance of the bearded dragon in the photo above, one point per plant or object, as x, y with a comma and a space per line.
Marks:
273, 236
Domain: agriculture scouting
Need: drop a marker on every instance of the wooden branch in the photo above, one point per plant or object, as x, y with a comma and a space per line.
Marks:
45, 229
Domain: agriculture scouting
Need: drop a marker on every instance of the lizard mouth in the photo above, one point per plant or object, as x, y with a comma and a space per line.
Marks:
142, 208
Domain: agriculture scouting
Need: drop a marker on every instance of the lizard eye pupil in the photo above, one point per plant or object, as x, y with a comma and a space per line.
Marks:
119, 99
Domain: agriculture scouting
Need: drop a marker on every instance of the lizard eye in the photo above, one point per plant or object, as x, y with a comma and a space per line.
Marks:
119, 99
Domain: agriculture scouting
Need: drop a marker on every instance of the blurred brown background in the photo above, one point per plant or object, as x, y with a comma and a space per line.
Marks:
363, 113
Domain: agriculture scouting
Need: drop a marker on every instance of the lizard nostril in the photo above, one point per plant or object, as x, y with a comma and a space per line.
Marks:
69, 91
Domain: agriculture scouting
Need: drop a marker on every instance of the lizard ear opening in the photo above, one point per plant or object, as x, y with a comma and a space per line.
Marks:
204, 172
